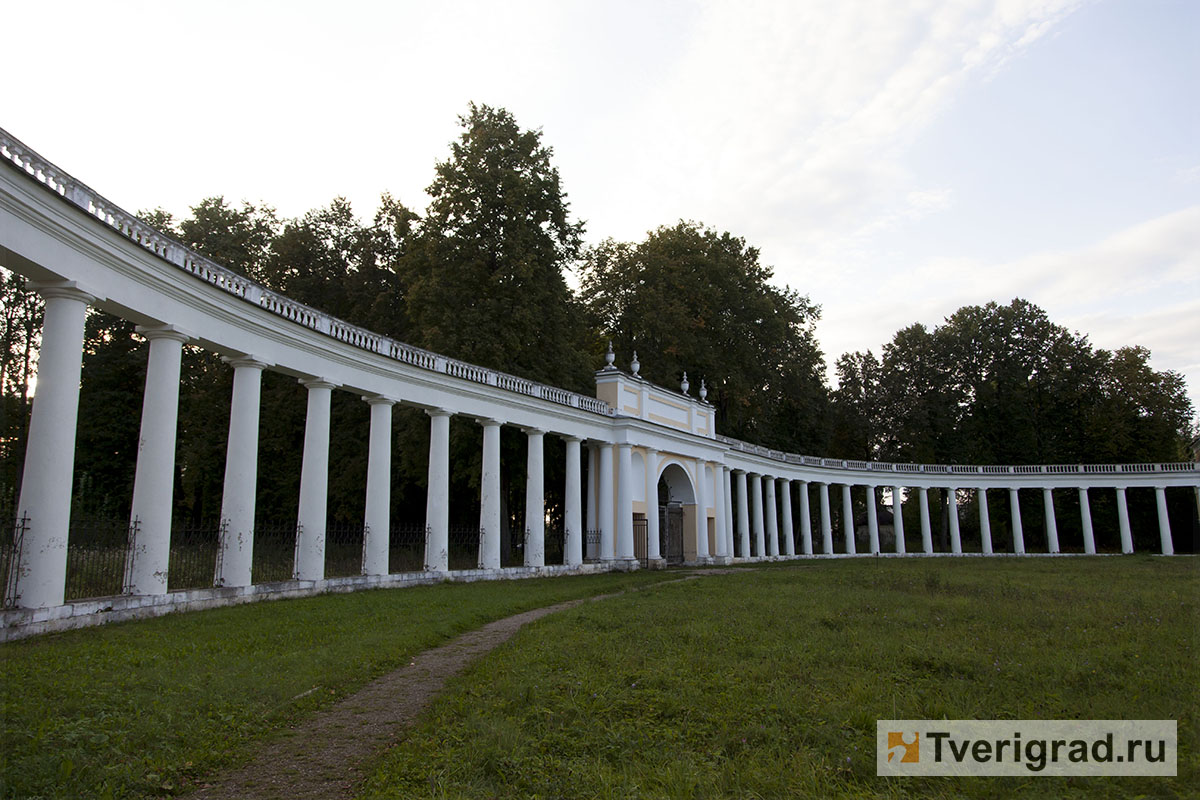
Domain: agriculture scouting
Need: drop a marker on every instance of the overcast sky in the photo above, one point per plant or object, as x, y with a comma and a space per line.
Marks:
892, 160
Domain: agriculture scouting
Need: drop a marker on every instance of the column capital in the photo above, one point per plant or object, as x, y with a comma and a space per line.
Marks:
244, 362
152, 332
56, 288
570, 437
316, 383
378, 400
533, 431
489, 422
439, 412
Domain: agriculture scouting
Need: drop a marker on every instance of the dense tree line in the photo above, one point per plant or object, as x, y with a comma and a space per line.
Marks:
481, 275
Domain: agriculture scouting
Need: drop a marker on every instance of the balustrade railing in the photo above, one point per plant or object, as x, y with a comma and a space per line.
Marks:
56, 180
953, 469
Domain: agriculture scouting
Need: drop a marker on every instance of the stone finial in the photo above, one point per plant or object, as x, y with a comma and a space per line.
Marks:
683, 387
635, 365
609, 357
703, 390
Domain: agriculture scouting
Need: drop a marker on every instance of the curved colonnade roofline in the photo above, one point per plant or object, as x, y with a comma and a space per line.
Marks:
78, 249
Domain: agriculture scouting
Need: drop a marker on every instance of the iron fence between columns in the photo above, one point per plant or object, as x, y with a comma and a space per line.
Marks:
274, 556
98, 555
640, 549
193, 559
464, 546
406, 547
12, 530
555, 545
591, 546
344, 548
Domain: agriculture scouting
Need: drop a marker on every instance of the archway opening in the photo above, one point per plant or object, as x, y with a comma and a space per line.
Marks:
674, 494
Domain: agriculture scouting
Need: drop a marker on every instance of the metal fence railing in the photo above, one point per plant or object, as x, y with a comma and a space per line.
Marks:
193, 560
464, 546
11, 532
555, 545
274, 557
406, 547
640, 528
591, 546
97, 555
344, 549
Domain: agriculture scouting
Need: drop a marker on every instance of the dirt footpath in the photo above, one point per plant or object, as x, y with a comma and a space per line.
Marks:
323, 758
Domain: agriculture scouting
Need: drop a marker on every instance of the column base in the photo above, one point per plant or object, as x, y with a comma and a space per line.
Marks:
625, 564
721, 560
656, 563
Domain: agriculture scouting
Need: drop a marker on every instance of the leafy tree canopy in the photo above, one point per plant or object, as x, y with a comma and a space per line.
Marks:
1004, 384
691, 299
485, 276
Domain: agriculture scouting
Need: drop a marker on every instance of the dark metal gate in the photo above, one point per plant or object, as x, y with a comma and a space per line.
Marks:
671, 532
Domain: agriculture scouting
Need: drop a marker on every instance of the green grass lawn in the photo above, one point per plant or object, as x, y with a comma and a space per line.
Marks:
143, 708
768, 683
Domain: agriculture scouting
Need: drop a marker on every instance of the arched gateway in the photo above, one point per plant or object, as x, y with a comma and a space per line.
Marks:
623, 446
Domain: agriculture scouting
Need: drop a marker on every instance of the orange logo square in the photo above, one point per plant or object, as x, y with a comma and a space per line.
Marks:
909, 751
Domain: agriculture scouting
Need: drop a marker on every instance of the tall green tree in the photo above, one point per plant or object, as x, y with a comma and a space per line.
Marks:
20, 337
690, 299
485, 275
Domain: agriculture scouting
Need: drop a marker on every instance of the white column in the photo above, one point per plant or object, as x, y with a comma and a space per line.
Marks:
489, 495
985, 523
718, 503
955, 533
154, 482
701, 513
789, 528
437, 498
926, 528
41, 575
729, 529
1014, 507
378, 515
592, 549
1085, 516
756, 516
314, 484
653, 552
1164, 522
605, 514
625, 502
1123, 522
898, 520
872, 521
1051, 522
572, 495
241, 476
848, 519
772, 514
743, 515
806, 544
826, 526
535, 500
